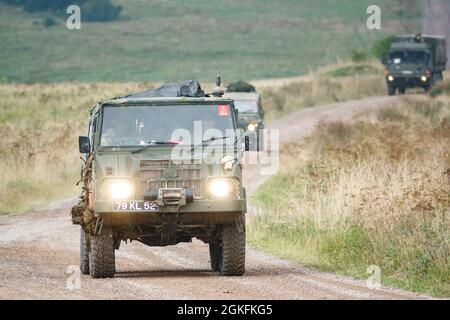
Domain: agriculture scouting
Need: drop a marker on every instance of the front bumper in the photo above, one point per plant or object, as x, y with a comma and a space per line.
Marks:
197, 206
402, 81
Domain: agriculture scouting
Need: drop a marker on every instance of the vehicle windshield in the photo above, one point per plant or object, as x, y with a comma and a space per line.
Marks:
181, 124
408, 57
246, 105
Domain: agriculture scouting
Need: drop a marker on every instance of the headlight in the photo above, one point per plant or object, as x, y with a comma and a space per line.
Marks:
252, 127
117, 189
223, 188
424, 79
391, 78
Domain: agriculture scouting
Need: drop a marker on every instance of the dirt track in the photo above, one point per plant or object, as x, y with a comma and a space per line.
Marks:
36, 250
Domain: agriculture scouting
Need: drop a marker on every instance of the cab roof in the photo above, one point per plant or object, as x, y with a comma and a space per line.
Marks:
242, 95
409, 46
181, 100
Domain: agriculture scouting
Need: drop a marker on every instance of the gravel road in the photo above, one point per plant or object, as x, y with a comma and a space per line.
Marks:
39, 252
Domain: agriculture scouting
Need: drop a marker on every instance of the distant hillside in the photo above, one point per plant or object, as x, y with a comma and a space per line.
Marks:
157, 40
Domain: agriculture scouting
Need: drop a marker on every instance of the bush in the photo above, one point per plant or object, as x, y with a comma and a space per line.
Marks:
440, 89
240, 86
358, 55
91, 10
381, 47
100, 10
49, 22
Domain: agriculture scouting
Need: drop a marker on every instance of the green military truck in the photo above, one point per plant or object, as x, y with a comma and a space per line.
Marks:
162, 167
414, 61
251, 113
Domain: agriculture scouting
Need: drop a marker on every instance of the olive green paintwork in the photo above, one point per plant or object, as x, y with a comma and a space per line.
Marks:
125, 165
246, 118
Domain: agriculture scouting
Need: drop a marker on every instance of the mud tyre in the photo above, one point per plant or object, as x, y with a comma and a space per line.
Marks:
215, 255
391, 90
84, 252
233, 248
101, 255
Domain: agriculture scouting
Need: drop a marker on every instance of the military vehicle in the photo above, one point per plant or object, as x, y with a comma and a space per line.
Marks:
145, 178
251, 112
414, 61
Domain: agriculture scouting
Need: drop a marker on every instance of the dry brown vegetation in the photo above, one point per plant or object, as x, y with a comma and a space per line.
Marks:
40, 123
340, 82
373, 192
39, 126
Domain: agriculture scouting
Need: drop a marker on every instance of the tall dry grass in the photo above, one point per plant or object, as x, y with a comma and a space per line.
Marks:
39, 125
336, 83
373, 192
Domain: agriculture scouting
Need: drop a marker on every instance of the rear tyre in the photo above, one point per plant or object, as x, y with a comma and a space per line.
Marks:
391, 90
215, 255
101, 254
84, 252
402, 90
233, 248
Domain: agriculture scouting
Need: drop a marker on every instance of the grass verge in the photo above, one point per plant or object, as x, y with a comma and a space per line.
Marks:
373, 192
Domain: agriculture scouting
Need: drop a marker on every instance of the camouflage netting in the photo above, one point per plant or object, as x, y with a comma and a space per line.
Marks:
240, 86
81, 213
187, 88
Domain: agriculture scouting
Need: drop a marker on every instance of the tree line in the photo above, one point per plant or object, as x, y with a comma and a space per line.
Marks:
91, 10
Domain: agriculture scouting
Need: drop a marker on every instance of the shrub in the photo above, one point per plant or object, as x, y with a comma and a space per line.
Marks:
49, 22
381, 47
358, 55
100, 10
91, 10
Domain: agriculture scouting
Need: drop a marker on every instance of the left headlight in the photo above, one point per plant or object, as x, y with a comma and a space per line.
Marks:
223, 188
117, 189
252, 126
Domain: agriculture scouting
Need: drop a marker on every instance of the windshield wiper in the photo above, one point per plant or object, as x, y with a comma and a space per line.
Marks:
154, 143
208, 141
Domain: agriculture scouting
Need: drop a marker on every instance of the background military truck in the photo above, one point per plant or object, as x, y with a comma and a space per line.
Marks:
140, 183
414, 61
251, 113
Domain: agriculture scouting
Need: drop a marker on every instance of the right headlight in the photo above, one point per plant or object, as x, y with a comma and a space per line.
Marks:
223, 188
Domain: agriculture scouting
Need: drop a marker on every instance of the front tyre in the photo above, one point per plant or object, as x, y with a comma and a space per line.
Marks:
84, 252
391, 90
233, 248
215, 255
101, 254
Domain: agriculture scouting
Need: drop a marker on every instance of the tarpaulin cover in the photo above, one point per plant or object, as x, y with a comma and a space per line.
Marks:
192, 88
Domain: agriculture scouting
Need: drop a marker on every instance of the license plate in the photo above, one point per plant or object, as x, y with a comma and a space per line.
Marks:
135, 206
407, 72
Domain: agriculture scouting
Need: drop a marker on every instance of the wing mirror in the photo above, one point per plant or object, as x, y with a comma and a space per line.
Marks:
84, 144
247, 143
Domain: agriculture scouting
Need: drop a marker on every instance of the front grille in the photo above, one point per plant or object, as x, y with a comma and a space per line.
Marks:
155, 174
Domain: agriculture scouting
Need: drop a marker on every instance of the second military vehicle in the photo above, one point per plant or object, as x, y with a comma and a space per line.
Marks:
162, 167
251, 112
415, 61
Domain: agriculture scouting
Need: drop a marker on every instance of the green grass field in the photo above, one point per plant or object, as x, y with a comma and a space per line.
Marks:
169, 40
